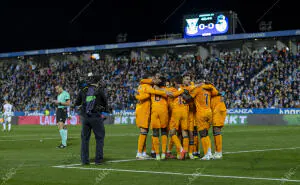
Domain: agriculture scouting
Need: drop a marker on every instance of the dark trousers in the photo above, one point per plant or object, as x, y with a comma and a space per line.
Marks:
89, 123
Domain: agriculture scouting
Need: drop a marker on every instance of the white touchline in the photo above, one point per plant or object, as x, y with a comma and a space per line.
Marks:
112, 161
183, 174
265, 150
119, 161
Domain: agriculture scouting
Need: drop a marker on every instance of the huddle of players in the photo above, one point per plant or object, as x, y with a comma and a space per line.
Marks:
180, 109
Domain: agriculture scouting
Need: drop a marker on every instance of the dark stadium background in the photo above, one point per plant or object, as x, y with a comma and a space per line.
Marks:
27, 25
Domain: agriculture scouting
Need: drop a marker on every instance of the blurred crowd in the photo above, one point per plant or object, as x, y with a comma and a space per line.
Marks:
268, 79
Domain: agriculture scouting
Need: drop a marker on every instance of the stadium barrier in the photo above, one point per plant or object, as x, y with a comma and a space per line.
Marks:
288, 116
156, 43
43, 120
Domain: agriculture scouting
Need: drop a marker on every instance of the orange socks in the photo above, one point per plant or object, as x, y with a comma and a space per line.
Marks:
142, 141
186, 143
152, 146
206, 144
164, 141
177, 142
156, 144
218, 143
170, 145
191, 147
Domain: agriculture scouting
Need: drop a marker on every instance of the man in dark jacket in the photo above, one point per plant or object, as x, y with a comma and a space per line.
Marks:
92, 102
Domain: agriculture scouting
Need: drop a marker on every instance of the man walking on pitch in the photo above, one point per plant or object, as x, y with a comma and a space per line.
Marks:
62, 103
8, 113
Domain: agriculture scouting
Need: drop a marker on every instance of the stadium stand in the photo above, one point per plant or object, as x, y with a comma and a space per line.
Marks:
260, 79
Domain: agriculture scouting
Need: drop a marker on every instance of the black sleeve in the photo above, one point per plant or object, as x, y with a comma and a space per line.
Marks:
78, 99
103, 98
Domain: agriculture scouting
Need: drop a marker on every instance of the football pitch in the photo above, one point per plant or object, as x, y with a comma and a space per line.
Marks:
252, 155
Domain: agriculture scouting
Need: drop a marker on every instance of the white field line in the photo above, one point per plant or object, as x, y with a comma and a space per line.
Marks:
237, 152
181, 174
271, 149
112, 161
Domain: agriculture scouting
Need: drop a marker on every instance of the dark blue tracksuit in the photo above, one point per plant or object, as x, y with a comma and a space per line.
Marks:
92, 121
95, 123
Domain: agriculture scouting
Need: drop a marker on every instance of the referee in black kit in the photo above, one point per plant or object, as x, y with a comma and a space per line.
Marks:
92, 101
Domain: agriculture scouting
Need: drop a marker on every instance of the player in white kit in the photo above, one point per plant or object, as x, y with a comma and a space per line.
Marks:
7, 114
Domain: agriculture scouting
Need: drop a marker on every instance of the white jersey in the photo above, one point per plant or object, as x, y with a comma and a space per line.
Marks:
8, 110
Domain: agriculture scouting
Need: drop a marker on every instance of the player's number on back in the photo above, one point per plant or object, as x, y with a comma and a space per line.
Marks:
206, 99
157, 98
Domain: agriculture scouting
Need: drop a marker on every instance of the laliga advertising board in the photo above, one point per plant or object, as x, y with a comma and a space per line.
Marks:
45, 120
289, 116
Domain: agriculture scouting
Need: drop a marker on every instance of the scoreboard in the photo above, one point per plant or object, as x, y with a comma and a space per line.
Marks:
208, 24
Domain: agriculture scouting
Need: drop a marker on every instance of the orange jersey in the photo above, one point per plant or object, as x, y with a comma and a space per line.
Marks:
202, 96
143, 107
190, 88
142, 96
159, 110
170, 99
178, 101
159, 100
218, 111
210, 87
217, 103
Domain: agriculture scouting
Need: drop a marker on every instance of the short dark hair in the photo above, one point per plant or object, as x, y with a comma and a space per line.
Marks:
178, 79
163, 81
147, 75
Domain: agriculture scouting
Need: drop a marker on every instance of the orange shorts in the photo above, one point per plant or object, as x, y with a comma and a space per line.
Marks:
218, 118
159, 118
142, 120
142, 117
179, 119
203, 119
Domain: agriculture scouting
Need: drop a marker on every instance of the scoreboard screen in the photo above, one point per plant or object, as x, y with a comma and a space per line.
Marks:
206, 24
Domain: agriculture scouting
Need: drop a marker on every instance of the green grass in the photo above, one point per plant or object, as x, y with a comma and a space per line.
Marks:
28, 154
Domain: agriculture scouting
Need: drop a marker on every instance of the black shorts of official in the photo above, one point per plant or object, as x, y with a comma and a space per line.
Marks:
61, 115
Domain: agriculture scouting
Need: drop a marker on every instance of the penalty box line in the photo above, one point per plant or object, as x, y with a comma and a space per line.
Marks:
181, 174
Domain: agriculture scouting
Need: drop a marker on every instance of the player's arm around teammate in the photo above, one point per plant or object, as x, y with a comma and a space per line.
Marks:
218, 118
179, 119
202, 99
143, 112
